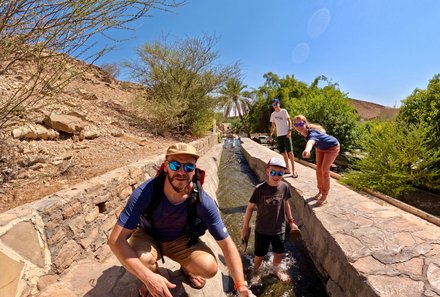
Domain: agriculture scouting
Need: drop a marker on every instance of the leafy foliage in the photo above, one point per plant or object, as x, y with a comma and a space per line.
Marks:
424, 106
396, 159
179, 78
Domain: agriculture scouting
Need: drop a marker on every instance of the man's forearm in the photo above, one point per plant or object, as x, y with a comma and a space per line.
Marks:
232, 258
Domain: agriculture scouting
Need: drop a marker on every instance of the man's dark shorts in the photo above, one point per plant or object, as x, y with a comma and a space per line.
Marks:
262, 243
284, 144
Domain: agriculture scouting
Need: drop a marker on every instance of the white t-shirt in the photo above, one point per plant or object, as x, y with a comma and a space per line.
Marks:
280, 119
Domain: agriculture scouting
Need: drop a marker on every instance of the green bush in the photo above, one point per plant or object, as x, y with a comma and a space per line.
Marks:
396, 159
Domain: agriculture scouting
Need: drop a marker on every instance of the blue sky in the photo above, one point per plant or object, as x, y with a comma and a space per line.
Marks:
376, 50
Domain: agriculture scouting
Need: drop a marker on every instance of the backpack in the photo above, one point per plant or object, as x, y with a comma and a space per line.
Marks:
194, 227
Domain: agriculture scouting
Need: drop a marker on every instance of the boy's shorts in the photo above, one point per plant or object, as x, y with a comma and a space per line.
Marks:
175, 250
263, 241
284, 144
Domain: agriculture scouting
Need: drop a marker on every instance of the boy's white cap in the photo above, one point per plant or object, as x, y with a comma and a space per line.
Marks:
276, 162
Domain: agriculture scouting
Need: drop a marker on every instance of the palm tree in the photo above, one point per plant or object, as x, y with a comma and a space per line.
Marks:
233, 101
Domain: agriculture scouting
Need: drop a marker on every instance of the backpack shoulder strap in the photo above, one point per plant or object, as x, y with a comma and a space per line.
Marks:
156, 195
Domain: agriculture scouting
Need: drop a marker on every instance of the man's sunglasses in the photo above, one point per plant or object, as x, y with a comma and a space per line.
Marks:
279, 173
274, 104
299, 124
187, 167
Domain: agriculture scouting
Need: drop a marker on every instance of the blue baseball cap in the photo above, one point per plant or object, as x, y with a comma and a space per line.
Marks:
276, 100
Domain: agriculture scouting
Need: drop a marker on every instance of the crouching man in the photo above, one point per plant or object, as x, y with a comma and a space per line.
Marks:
164, 217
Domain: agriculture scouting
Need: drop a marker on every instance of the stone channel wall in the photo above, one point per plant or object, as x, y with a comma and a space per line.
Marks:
362, 246
46, 237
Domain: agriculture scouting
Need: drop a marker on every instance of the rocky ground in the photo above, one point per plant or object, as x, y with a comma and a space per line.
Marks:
111, 136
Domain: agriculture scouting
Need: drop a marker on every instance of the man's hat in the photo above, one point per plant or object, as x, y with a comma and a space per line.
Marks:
276, 100
276, 162
182, 149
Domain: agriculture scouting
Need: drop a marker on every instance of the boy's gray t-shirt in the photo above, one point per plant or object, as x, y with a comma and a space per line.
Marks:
270, 219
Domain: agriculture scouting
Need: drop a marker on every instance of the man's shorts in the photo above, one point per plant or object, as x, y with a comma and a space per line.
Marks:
175, 250
262, 243
284, 144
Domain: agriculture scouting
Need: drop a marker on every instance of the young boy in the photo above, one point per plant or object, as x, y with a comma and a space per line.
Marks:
273, 211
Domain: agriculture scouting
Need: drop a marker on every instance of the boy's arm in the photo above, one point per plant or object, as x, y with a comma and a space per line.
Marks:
289, 217
247, 219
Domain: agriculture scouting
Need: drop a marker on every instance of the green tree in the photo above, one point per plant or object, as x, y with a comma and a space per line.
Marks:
233, 101
38, 39
179, 78
424, 106
396, 159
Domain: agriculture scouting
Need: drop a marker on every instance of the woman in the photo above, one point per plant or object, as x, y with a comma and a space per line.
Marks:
327, 149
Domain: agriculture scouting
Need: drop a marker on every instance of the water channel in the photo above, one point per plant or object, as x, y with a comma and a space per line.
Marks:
236, 185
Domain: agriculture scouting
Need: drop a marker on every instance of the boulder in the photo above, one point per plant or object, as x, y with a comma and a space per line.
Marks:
35, 131
66, 123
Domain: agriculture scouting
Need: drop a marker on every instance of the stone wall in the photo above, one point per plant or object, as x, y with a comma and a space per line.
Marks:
46, 237
361, 246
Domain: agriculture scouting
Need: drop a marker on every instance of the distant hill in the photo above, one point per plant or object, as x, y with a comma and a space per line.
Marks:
368, 110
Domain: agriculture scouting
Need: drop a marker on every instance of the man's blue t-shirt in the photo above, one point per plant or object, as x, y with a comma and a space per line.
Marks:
170, 220
323, 141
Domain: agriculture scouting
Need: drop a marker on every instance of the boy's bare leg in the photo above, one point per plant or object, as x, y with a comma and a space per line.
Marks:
256, 275
282, 276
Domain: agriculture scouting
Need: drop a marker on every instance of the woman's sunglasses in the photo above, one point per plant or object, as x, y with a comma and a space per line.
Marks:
279, 173
187, 167
299, 124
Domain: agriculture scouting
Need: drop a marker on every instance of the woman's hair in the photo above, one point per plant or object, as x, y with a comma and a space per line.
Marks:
317, 127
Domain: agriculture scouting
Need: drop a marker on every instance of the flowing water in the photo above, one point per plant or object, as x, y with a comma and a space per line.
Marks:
237, 183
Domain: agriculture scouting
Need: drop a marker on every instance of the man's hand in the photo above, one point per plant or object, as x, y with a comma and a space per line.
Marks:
244, 291
158, 286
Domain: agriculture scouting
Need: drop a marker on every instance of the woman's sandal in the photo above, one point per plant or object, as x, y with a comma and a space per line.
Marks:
190, 279
318, 196
321, 202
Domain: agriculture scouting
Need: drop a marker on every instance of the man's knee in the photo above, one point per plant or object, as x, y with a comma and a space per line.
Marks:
204, 266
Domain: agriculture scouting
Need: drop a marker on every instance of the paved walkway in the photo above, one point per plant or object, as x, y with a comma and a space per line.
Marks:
109, 279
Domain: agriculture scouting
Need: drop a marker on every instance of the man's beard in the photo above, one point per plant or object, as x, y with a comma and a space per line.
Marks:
178, 189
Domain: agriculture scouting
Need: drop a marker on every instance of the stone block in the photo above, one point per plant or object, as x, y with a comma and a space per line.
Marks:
77, 225
26, 241
72, 210
92, 215
56, 237
125, 193
68, 253
9, 276
90, 237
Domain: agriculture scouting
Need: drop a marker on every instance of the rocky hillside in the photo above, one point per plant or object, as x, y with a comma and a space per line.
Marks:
368, 110
93, 129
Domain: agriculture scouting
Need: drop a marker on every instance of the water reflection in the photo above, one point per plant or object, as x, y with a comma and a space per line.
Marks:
236, 185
